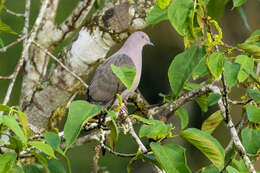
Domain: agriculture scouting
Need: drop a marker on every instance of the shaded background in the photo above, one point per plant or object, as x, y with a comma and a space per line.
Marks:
156, 61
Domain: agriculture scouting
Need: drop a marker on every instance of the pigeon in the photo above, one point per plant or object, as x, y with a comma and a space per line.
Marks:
105, 84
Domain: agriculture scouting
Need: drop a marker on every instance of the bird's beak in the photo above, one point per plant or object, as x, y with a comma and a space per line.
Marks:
151, 43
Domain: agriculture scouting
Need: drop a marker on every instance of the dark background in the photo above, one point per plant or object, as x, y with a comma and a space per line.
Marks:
156, 61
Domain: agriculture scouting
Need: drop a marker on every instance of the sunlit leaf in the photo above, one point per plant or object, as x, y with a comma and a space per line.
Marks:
163, 3
45, 148
79, 112
7, 161
215, 63
171, 157
126, 74
238, 3
207, 144
246, 63
5, 28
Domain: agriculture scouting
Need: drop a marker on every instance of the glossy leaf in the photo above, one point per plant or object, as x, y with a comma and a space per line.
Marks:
182, 67
207, 144
45, 148
254, 94
11, 123
253, 113
238, 3
231, 71
215, 63
251, 140
126, 74
171, 157
180, 14
79, 112
212, 122
24, 122
184, 116
156, 15
246, 63
7, 161
155, 130
163, 3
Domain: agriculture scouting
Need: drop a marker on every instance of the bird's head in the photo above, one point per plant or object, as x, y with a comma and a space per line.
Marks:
142, 38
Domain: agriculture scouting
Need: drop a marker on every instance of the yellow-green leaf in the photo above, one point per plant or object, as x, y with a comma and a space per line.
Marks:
215, 63
211, 123
45, 148
207, 144
246, 63
163, 3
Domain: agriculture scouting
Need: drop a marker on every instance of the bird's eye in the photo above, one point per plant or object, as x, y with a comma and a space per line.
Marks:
142, 36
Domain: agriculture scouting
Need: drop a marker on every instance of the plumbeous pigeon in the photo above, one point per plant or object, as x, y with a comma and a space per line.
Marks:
105, 85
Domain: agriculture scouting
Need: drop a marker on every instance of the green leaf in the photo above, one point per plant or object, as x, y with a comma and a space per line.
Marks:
230, 169
231, 71
201, 69
202, 102
11, 123
113, 136
31, 169
156, 130
53, 140
156, 15
42, 160
1, 4
180, 14
210, 170
16, 169
213, 99
253, 113
171, 157
182, 67
253, 75
254, 94
240, 165
4, 108
251, 47
24, 122
55, 166
45, 148
2, 44
216, 8
212, 122
215, 63
144, 120
163, 3
5, 28
207, 144
251, 140
254, 37
15, 144
7, 161
238, 3
183, 114
246, 63
191, 86
126, 74
79, 112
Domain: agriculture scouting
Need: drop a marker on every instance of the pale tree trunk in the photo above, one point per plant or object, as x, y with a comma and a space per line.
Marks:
43, 90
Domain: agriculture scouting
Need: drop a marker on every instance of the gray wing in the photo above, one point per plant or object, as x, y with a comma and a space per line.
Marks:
105, 84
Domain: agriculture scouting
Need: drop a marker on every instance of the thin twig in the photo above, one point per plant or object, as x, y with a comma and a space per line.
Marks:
117, 153
60, 63
96, 158
14, 13
224, 107
6, 77
4, 49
